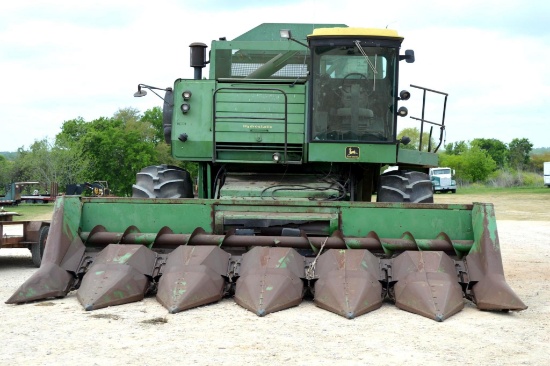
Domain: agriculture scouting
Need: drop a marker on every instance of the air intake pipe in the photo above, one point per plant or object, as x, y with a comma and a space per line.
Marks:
198, 58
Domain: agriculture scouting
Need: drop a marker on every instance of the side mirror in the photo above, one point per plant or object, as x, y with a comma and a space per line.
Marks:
408, 56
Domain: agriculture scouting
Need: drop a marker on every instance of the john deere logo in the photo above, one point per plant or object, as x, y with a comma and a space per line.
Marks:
352, 152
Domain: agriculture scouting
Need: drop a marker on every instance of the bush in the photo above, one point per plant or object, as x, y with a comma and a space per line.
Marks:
532, 179
518, 178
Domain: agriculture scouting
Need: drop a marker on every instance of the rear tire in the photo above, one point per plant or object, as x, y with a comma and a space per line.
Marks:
37, 249
405, 186
163, 181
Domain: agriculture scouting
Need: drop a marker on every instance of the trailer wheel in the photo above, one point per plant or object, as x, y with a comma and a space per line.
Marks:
163, 181
405, 186
37, 249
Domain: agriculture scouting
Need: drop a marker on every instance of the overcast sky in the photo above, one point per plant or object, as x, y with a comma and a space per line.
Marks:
63, 59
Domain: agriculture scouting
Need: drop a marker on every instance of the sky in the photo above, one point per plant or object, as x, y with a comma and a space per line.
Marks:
64, 59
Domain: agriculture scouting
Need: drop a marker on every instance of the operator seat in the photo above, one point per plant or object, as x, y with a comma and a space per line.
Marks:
355, 118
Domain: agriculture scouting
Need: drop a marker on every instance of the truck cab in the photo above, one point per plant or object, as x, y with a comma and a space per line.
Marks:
442, 180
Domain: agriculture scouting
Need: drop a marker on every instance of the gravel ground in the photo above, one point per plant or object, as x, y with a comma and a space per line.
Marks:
60, 331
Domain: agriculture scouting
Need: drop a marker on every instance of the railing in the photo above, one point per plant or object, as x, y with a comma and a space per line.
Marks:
284, 118
422, 120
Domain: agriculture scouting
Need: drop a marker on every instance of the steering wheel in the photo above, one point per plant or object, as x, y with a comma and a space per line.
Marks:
361, 76
347, 88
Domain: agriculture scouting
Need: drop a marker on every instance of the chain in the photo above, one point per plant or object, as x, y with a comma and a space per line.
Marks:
231, 272
310, 271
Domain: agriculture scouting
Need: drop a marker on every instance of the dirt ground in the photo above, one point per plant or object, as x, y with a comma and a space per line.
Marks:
61, 332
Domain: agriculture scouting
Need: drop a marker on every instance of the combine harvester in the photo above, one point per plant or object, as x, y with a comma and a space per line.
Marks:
290, 133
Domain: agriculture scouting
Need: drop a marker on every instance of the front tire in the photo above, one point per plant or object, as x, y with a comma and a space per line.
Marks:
405, 186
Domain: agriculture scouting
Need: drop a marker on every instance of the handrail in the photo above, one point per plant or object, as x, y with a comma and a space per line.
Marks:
284, 118
422, 120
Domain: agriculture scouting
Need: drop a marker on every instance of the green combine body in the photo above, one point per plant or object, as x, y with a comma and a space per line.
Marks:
289, 138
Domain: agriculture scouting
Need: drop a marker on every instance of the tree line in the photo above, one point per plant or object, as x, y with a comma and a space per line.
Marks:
105, 149
114, 149
482, 160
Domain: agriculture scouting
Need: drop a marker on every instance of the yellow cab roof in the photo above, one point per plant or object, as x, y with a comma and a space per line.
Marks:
349, 32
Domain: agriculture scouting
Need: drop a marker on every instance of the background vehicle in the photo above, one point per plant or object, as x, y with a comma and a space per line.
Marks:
94, 189
289, 139
547, 174
23, 234
28, 192
442, 180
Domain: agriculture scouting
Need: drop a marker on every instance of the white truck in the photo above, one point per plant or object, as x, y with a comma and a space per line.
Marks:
547, 174
442, 180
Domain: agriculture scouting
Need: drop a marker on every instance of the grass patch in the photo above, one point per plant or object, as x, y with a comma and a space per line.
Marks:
480, 189
30, 211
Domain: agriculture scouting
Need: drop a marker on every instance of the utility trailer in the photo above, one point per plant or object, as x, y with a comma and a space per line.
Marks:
24, 234
15, 193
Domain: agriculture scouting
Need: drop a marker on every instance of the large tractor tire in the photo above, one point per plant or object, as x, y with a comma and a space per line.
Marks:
163, 181
405, 186
37, 249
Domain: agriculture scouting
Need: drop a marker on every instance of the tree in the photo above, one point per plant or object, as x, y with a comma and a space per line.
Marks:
538, 160
519, 150
455, 162
153, 117
456, 148
112, 149
71, 132
46, 163
6, 167
477, 164
496, 149
117, 150
414, 134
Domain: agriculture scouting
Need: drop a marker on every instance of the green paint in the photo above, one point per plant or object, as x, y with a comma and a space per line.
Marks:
70, 210
352, 244
484, 222
269, 288
177, 292
283, 262
30, 292
364, 264
119, 294
99, 273
123, 258
335, 152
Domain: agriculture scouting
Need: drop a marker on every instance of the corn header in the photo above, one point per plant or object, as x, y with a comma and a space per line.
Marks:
290, 133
